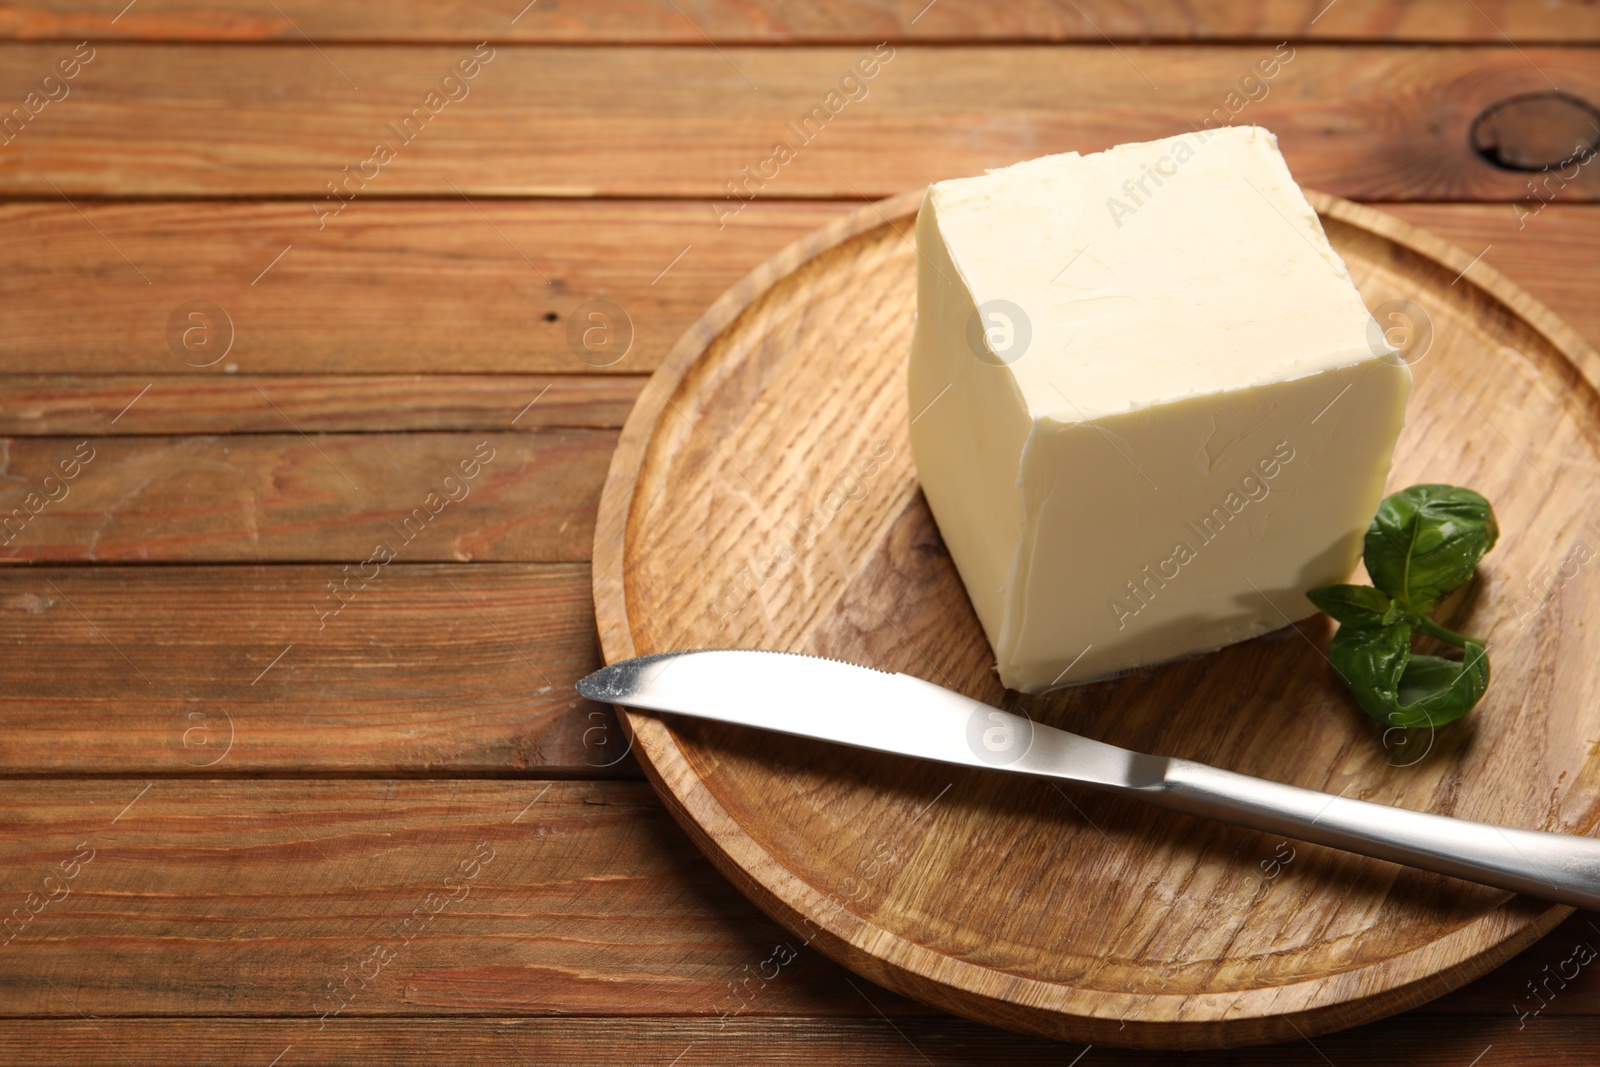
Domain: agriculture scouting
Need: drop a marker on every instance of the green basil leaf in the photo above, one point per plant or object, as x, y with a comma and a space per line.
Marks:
1426, 540
1371, 661
1398, 689
1353, 605
1434, 690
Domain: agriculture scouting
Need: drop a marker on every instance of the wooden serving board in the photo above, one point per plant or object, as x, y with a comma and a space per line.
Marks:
763, 496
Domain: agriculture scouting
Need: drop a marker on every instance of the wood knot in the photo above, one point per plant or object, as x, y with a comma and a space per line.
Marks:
1537, 131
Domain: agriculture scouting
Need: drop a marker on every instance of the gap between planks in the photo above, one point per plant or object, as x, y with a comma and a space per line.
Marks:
104, 405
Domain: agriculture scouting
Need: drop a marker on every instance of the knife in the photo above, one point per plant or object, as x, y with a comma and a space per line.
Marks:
849, 705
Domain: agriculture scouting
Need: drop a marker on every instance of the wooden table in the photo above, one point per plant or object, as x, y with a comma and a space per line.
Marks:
314, 431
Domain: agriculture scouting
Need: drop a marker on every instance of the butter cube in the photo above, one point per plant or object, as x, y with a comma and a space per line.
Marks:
1149, 409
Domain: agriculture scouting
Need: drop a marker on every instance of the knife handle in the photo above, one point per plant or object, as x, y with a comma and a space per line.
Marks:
1557, 867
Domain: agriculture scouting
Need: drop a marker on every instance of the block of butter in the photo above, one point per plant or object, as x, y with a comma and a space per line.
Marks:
1149, 409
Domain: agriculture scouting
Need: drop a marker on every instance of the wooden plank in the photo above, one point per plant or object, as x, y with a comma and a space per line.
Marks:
108, 404
250, 897
454, 301
425, 287
287, 497
863, 21
210, 120
431, 669
1416, 1040
1553, 251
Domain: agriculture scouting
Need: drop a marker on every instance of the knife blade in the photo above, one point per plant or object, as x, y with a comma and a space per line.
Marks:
829, 700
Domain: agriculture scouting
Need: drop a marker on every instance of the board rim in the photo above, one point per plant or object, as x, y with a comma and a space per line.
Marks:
885, 957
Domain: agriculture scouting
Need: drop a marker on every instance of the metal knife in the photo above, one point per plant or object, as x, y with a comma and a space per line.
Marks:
850, 705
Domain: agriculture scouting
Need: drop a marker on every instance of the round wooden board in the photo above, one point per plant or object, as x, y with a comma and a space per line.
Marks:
763, 496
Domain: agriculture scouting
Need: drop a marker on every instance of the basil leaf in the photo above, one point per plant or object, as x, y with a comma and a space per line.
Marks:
1426, 540
1441, 690
1371, 661
1423, 543
1353, 605
1398, 689
1426, 675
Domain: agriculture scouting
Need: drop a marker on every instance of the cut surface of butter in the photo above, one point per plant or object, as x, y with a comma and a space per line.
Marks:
1149, 409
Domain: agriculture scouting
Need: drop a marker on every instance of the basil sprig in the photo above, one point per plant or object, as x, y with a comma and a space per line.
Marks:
1424, 542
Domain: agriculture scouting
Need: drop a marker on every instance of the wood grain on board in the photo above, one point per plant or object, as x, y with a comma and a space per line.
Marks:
428, 288
980, 912
731, 22
208, 671
491, 496
159, 120
1549, 981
